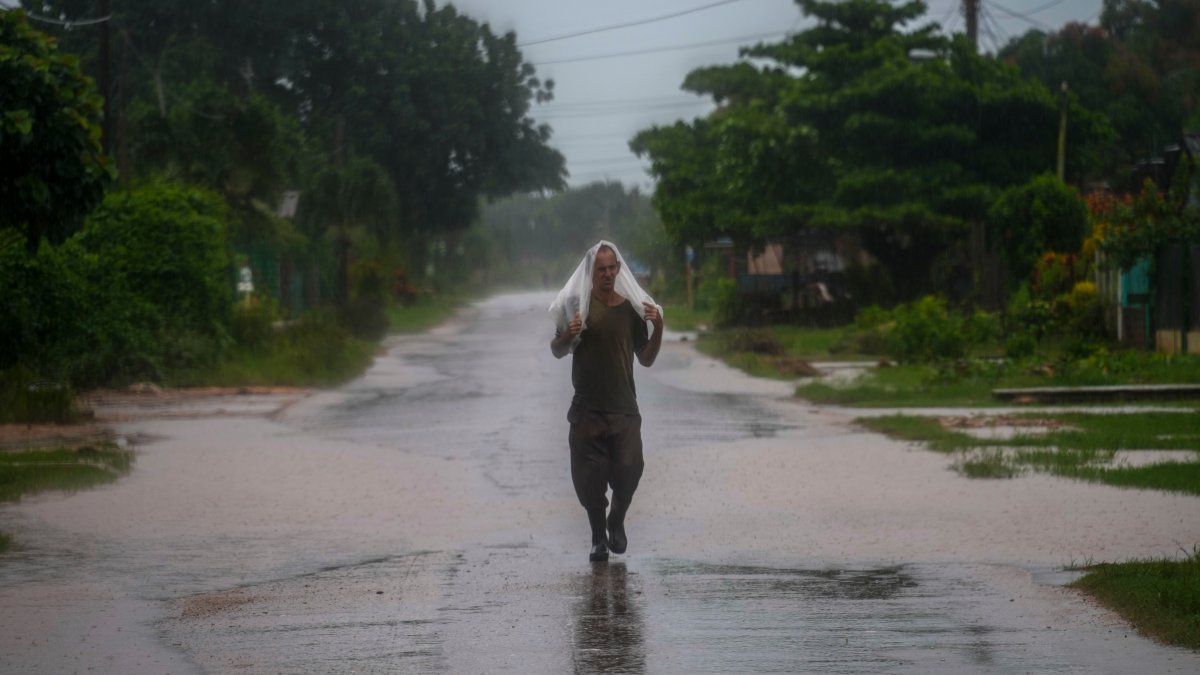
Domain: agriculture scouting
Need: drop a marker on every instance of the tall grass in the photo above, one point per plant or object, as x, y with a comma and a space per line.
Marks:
1161, 598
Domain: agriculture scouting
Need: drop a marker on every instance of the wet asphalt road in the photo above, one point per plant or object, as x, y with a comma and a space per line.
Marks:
421, 519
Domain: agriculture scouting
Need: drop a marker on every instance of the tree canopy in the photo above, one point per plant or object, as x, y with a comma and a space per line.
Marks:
860, 122
433, 96
1139, 69
52, 167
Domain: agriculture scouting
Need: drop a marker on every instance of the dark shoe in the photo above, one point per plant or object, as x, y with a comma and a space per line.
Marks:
599, 553
616, 536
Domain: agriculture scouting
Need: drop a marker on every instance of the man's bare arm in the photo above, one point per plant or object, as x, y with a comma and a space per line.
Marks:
560, 346
649, 352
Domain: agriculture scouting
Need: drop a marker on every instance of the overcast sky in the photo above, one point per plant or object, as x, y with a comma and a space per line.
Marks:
599, 104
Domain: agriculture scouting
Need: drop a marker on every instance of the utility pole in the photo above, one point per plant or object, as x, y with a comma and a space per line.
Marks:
106, 78
971, 13
1062, 131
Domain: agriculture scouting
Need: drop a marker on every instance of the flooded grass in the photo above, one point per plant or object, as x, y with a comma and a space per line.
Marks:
1072, 445
969, 383
61, 469
1161, 598
28, 472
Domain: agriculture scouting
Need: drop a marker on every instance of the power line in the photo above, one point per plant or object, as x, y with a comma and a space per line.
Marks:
1018, 15
994, 31
555, 105
600, 112
628, 160
1044, 7
67, 23
628, 24
655, 50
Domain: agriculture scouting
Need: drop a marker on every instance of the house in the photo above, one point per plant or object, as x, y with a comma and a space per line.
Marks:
1158, 300
801, 278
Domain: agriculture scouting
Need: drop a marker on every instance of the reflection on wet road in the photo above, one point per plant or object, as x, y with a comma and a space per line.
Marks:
607, 631
421, 519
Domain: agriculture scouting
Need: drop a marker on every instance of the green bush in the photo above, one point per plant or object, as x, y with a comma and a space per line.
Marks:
69, 317
167, 242
1042, 215
1020, 346
320, 348
725, 311
1029, 314
139, 292
365, 313
925, 331
867, 335
1082, 312
252, 322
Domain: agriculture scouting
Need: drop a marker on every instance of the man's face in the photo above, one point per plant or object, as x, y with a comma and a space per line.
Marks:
604, 275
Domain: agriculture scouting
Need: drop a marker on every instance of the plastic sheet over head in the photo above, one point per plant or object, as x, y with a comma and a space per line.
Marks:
576, 295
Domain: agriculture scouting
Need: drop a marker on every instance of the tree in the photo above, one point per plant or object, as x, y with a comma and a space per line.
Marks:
350, 200
52, 166
433, 96
1040, 216
1139, 71
854, 124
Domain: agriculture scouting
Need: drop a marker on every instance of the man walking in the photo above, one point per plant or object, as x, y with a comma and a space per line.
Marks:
606, 425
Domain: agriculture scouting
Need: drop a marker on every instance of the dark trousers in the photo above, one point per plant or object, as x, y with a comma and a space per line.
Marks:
606, 450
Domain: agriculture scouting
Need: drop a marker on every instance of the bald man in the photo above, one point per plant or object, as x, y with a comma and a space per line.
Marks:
606, 425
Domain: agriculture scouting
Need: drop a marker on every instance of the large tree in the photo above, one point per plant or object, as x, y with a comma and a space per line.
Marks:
856, 123
52, 166
435, 97
1139, 69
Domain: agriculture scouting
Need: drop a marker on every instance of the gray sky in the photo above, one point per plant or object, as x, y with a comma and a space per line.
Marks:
600, 104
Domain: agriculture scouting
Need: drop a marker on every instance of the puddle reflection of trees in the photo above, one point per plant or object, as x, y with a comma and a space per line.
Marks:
608, 626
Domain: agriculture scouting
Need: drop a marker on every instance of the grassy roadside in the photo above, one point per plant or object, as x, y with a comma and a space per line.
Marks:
1161, 598
1072, 445
314, 352
785, 352
424, 314
65, 469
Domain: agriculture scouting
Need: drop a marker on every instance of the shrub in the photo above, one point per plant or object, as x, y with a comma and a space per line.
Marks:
1083, 311
1029, 314
1020, 346
867, 335
926, 330
365, 313
725, 311
1042, 215
251, 325
168, 244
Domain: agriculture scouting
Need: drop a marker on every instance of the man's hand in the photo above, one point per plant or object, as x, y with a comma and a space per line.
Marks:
649, 352
560, 346
575, 327
653, 315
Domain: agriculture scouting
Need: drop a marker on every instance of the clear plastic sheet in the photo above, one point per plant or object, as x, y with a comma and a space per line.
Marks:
576, 295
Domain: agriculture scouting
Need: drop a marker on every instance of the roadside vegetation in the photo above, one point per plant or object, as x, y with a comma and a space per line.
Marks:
1075, 445
1161, 598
